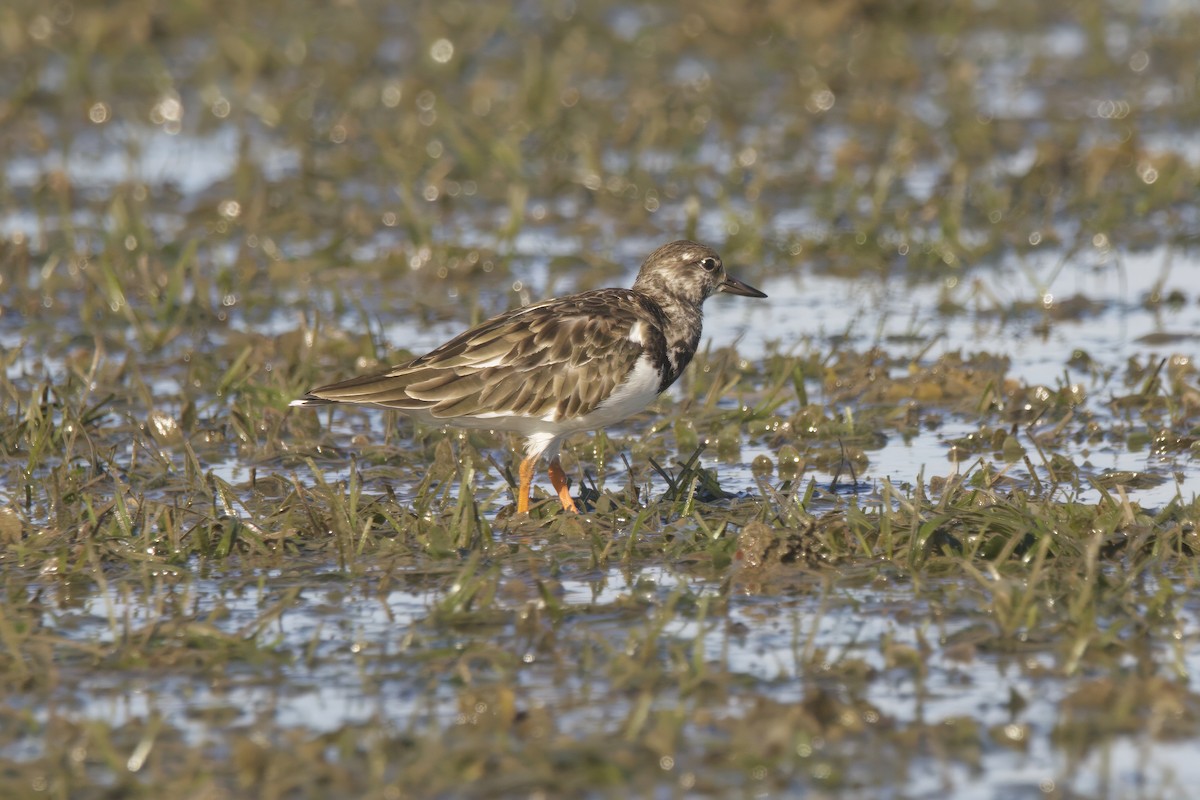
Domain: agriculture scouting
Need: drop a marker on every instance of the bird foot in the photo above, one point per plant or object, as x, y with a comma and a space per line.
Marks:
562, 486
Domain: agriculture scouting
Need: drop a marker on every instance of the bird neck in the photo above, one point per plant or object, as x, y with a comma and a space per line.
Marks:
684, 318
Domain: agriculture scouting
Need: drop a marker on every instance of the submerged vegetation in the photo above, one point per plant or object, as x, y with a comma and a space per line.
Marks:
927, 522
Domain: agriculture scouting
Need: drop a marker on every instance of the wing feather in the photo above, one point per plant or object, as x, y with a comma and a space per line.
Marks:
556, 359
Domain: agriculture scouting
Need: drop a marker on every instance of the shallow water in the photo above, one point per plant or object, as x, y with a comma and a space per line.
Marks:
361, 647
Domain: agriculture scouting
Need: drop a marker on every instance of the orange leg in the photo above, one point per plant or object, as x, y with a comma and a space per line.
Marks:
525, 475
559, 479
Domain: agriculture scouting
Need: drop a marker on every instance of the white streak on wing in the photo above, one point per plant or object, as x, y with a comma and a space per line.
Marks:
490, 415
498, 361
635, 333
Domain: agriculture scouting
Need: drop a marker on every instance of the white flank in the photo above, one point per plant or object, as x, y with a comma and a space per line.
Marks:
638, 391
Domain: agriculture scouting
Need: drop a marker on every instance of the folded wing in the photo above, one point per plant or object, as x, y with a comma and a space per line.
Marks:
549, 361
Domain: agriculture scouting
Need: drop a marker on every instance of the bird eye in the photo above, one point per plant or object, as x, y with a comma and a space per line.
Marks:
709, 263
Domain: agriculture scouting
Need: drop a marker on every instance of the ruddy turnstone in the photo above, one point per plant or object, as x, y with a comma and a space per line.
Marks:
562, 366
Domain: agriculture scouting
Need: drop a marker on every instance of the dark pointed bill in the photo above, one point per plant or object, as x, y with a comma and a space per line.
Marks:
734, 286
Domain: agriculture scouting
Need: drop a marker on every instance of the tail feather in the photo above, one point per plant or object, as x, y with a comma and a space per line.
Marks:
311, 400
